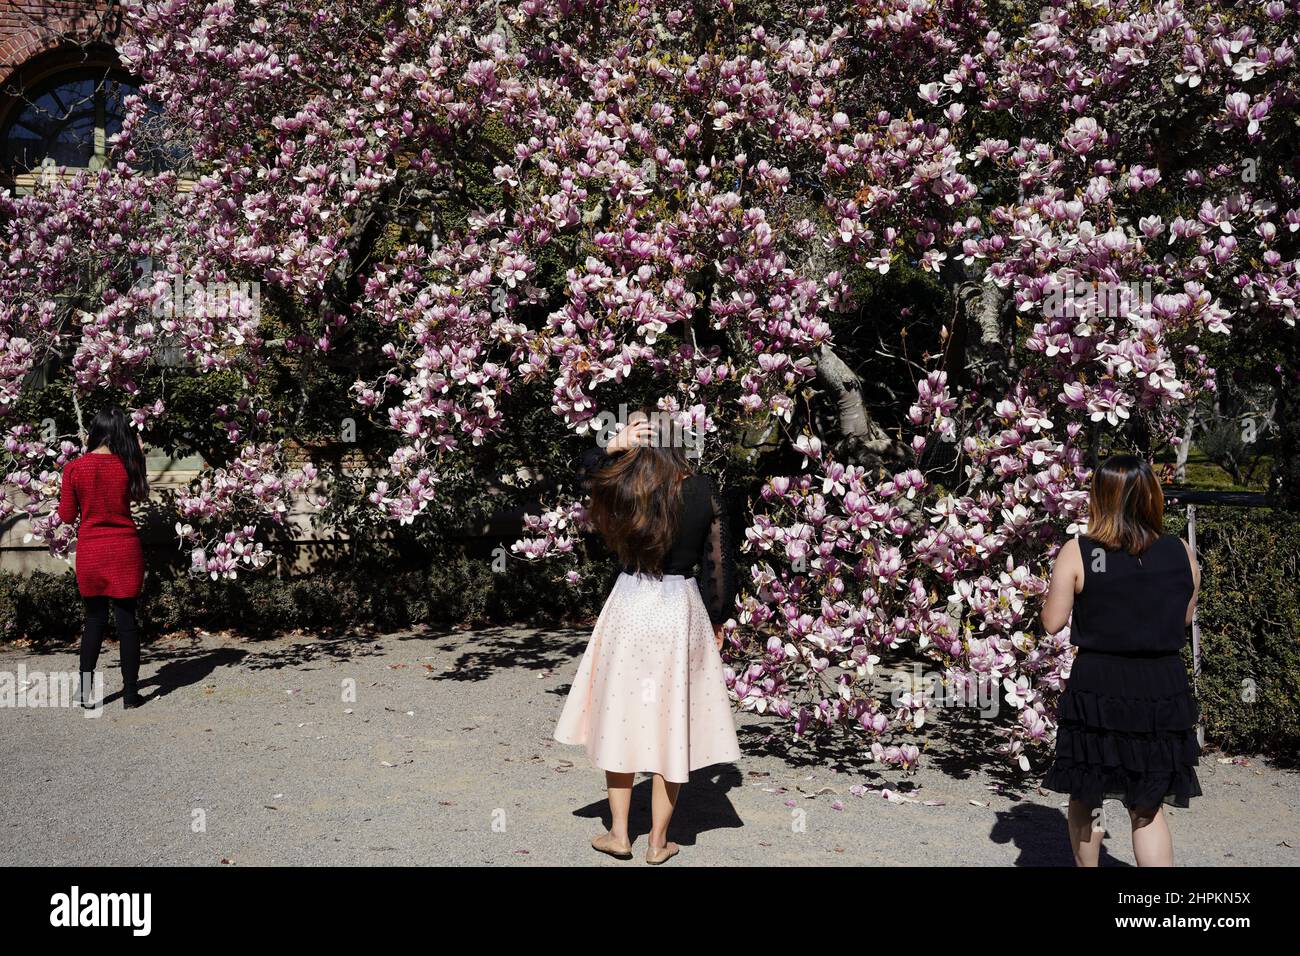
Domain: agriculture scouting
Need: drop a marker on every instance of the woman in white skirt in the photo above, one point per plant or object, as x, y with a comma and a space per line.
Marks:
650, 694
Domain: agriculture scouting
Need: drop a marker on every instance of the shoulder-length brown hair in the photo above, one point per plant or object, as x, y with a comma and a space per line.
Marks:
1126, 507
636, 498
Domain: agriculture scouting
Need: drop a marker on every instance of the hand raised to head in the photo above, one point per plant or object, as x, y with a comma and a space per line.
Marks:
636, 432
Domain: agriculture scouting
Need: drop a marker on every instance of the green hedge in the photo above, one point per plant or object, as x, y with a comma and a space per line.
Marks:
1249, 616
41, 607
1249, 611
455, 588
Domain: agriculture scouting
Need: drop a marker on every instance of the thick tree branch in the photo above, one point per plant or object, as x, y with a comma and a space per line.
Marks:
856, 423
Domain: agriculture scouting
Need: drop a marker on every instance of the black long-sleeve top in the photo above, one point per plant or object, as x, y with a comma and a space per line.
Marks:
703, 539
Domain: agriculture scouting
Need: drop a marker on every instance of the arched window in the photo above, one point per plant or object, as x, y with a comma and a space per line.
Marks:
67, 119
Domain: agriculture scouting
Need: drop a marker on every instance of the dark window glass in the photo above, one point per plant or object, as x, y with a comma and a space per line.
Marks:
68, 120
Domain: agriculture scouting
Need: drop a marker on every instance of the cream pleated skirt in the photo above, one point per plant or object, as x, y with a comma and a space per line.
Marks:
650, 694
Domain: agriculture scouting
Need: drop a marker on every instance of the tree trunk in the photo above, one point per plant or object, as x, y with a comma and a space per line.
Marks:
1185, 448
857, 426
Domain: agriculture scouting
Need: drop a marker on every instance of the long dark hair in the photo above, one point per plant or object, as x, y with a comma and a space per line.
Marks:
636, 500
111, 427
1126, 507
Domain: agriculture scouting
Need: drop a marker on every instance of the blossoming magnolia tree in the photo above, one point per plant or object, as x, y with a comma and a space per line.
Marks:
473, 197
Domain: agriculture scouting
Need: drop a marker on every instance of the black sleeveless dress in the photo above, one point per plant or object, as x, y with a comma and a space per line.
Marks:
1127, 718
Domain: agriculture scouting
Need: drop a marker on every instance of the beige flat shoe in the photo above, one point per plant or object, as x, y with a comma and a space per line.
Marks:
606, 843
654, 855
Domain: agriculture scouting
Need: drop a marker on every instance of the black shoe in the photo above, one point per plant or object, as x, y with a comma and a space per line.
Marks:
85, 699
131, 700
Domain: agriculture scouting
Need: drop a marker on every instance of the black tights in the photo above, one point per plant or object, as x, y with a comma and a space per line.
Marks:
128, 635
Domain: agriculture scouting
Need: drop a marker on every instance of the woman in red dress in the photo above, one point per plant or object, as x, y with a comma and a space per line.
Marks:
98, 489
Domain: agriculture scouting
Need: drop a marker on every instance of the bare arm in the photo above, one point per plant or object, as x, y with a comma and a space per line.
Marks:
1067, 580
1196, 582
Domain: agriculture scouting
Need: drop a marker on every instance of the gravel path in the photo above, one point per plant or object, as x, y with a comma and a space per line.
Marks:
248, 754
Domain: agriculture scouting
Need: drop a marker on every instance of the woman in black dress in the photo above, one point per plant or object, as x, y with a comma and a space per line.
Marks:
1127, 719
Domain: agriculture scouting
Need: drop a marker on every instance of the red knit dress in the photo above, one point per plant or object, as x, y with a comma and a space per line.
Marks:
110, 561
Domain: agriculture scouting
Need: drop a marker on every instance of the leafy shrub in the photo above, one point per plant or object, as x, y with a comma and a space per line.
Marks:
1249, 611
8, 607
455, 587
40, 606
1249, 616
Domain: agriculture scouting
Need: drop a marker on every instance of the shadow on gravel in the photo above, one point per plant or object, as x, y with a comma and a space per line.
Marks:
842, 755
328, 649
181, 669
1039, 834
957, 745
486, 651
703, 805
963, 746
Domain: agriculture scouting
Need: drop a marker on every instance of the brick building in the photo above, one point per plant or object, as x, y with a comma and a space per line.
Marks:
61, 90
61, 85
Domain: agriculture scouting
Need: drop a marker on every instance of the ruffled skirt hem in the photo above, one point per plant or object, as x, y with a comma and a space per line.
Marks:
1127, 731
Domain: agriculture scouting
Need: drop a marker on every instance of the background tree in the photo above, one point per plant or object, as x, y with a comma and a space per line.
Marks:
909, 268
